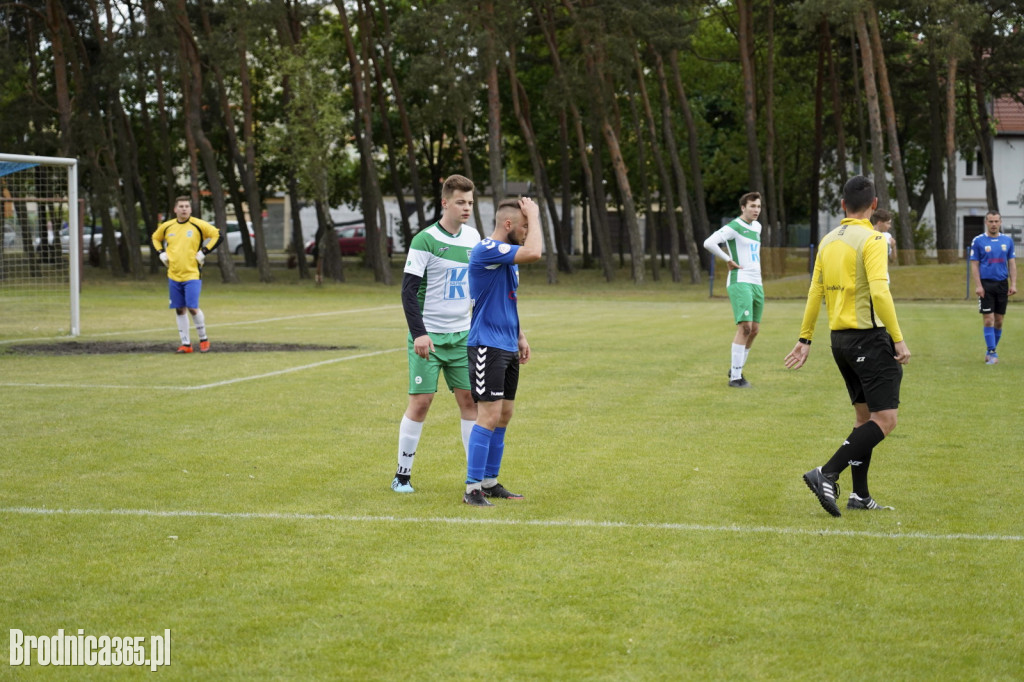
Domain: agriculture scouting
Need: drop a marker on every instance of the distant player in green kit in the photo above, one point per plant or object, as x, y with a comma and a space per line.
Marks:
742, 253
435, 298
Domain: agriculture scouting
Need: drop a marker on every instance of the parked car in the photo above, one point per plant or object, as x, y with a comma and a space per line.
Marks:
92, 236
351, 240
233, 237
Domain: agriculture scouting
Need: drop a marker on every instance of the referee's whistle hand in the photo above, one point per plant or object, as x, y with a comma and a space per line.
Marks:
797, 357
902, 353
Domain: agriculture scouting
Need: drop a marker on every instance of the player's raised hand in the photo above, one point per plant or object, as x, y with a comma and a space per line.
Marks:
163, 257
529, 207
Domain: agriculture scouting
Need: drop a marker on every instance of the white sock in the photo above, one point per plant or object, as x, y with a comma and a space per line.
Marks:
182, 321
489, 482
739, 358
746, 354
408, 440
467, 428
200, 321
470, 487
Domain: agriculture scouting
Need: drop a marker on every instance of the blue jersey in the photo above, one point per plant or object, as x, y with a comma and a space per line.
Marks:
992, 254
493, 281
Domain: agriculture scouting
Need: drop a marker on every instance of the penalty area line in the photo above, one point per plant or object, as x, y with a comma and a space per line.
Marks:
215, 384
126, 332
541, 523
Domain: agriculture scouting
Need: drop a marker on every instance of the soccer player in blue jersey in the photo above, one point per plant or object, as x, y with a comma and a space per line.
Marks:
742, 239
496, 343
994, 273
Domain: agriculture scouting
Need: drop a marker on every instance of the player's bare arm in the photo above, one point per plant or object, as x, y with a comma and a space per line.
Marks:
533, 241
979, 290
524, 349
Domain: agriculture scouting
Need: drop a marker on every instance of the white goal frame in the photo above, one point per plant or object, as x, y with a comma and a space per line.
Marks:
74, 228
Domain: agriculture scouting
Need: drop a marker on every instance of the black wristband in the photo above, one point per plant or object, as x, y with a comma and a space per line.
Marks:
804, 341
205, 250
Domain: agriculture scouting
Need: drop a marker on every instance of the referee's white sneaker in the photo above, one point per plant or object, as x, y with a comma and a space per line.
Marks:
858, 502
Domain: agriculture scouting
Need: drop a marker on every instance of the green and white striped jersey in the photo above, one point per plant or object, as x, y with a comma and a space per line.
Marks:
442, 260
743, 246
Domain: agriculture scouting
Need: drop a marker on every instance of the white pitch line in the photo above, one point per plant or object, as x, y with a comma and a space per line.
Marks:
544, 523
212, 326
226, 382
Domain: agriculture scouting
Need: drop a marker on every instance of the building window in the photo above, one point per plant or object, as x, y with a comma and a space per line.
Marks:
975, 168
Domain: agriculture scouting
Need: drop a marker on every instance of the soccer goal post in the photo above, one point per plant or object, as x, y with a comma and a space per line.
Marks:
41, 250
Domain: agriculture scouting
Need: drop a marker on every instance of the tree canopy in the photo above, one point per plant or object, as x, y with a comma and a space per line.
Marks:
630, 109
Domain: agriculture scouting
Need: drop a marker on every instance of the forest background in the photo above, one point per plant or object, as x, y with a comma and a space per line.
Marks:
629, 108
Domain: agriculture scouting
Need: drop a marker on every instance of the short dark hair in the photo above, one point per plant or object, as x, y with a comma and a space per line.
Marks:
881, 216
993, 211
858, 193
748, 197
505, 207
456, 183
182, 198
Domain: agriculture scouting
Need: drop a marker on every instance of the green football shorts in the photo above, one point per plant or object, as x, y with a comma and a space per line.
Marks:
747, 301
449, 354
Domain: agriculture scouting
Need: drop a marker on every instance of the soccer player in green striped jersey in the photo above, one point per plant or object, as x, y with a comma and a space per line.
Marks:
437, 305
742, 253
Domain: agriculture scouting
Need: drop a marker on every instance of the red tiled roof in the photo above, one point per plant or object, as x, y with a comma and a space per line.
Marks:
1009, 115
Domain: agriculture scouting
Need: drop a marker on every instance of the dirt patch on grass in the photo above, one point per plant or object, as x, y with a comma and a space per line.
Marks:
117, 347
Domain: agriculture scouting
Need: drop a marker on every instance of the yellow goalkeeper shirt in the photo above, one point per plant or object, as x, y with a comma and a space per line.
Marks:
851, 272
181, 241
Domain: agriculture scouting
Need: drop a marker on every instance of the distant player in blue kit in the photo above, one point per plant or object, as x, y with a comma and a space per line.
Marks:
496, 345
994, 273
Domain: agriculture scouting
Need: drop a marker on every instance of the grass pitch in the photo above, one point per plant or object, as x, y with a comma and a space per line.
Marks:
242, 499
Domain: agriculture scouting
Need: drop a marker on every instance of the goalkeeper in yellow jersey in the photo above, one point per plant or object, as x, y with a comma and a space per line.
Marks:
851, 273
183, 243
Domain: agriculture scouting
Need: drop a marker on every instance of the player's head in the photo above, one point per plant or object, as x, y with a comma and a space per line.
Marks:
993, 222
457, 198
750, 206
183, 208
859, 195
882, 220
510, 222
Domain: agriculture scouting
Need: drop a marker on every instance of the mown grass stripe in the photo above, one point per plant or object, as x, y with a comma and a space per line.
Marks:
543, 523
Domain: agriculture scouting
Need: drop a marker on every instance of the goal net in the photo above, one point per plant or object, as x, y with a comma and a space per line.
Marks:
40, 252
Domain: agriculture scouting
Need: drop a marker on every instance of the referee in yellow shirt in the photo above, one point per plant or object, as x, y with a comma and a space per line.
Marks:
851, 274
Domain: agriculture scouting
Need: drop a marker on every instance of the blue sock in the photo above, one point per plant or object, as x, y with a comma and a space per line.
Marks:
494, 454
990, 338
998, 334
479, 446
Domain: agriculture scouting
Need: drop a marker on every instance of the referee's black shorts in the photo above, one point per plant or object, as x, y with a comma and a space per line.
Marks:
997, 293
867, 360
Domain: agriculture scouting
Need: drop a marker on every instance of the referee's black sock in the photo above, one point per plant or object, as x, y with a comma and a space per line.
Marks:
856, 450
